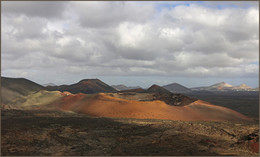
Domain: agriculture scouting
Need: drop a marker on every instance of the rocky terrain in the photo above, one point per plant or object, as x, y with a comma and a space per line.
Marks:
36, 121
65, 133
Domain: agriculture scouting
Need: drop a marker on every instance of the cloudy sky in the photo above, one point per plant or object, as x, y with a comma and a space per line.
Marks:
131, 43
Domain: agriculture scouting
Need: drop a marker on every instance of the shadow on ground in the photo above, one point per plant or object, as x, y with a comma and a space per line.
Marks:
59, 133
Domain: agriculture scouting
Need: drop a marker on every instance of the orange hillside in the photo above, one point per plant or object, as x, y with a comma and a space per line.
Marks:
102, 105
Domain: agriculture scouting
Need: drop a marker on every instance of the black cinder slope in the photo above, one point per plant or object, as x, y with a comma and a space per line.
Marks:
176, 88
157, 89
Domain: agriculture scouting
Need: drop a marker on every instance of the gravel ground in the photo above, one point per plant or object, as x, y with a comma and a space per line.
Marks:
63, 133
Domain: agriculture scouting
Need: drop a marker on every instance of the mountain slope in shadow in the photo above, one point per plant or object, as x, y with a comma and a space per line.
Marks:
87, 86
13, 88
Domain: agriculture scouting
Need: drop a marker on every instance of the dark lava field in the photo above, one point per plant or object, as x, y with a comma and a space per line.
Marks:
64, 133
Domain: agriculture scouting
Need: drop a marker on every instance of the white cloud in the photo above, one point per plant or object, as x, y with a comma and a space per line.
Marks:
130, 39
109, 14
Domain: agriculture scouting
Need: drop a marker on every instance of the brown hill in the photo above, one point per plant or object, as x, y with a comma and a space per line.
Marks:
139, 105
13, 88
156, 103
104, 105
170, 99
87, 86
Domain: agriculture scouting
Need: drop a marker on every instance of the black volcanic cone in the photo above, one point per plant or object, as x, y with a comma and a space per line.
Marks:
157, 89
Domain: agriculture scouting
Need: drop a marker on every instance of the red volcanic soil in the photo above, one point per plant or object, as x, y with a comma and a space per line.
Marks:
102, 105
255, 146
74, 99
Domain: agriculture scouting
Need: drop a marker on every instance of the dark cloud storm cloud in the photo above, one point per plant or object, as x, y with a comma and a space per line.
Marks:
43, 9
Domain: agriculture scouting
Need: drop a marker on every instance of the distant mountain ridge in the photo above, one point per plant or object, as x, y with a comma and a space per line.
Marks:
152, 89
137, 90
20, 87
49, 84
122, 87
25, 94
87, 86
242, 87
176, 88
222, 86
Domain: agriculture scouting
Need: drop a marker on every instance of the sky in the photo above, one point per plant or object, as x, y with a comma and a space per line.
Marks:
132, 43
